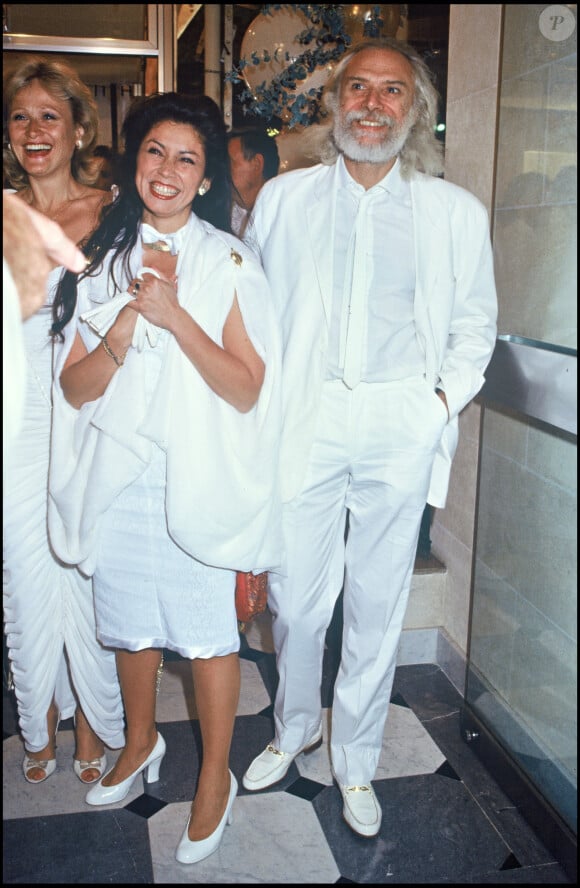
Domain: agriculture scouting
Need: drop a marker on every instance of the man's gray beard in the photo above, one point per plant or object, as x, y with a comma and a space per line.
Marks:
347, 143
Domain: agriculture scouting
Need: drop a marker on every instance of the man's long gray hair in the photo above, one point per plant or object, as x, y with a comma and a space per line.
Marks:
422, 151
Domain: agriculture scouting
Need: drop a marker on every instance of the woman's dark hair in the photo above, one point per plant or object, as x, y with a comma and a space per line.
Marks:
120, 220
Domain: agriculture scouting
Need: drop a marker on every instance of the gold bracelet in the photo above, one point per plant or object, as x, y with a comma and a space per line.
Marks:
118, 361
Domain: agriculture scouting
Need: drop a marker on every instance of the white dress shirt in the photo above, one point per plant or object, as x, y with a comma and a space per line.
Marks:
383, 218
239, 219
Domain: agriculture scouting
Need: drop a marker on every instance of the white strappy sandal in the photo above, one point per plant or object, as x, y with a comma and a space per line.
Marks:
46, 765
97, 764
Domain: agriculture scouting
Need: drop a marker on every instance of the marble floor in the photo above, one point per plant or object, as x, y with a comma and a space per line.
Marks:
445, 820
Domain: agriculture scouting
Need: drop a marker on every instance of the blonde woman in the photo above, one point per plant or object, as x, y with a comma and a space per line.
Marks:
58, 667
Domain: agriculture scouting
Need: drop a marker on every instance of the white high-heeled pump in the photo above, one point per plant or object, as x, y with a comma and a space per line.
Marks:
108, 795
193, 852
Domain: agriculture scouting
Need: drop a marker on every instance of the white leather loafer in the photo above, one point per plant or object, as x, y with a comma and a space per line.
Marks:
193, 852
272, 764
361, 810
108, 795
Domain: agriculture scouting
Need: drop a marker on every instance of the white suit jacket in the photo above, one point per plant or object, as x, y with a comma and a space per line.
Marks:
455, 300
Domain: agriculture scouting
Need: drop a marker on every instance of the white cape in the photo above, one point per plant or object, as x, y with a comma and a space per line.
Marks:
222, 498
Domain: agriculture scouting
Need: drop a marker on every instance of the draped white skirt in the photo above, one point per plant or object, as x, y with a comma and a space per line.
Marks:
48, 607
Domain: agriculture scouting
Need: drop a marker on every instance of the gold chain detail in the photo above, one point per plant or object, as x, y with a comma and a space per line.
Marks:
119, 361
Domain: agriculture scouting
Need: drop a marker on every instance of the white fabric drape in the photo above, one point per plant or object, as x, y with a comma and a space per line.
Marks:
48, 607
102, 318
222, 497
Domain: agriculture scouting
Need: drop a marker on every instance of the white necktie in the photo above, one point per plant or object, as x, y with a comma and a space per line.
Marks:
357, 317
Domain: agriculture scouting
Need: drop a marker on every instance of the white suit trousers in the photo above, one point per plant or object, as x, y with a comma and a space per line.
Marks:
371, 459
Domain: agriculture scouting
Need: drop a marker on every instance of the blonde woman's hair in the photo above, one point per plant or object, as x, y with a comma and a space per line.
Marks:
422, 151
62, 82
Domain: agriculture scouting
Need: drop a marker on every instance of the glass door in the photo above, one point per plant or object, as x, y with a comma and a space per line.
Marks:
521, 690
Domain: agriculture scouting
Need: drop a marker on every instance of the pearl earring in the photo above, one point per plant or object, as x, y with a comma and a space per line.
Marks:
79, 144
202, 189
9, 147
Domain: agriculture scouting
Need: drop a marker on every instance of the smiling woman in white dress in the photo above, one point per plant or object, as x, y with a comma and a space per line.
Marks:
168, 404
58, 667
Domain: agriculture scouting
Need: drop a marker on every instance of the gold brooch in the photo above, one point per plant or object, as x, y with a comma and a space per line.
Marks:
236, 257
160, 246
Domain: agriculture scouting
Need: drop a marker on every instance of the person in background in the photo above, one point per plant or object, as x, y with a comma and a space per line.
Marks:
107, 164
254, 160
382, 275
163, 481
58, 667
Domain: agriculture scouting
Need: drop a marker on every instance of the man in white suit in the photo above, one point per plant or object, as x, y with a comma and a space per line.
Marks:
383, 277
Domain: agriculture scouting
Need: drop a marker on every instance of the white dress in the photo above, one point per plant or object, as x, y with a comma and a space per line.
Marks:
48, 606
148, 591
13, 364
159, 488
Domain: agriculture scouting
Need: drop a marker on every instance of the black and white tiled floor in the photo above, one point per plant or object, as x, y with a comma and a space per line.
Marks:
445, 820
